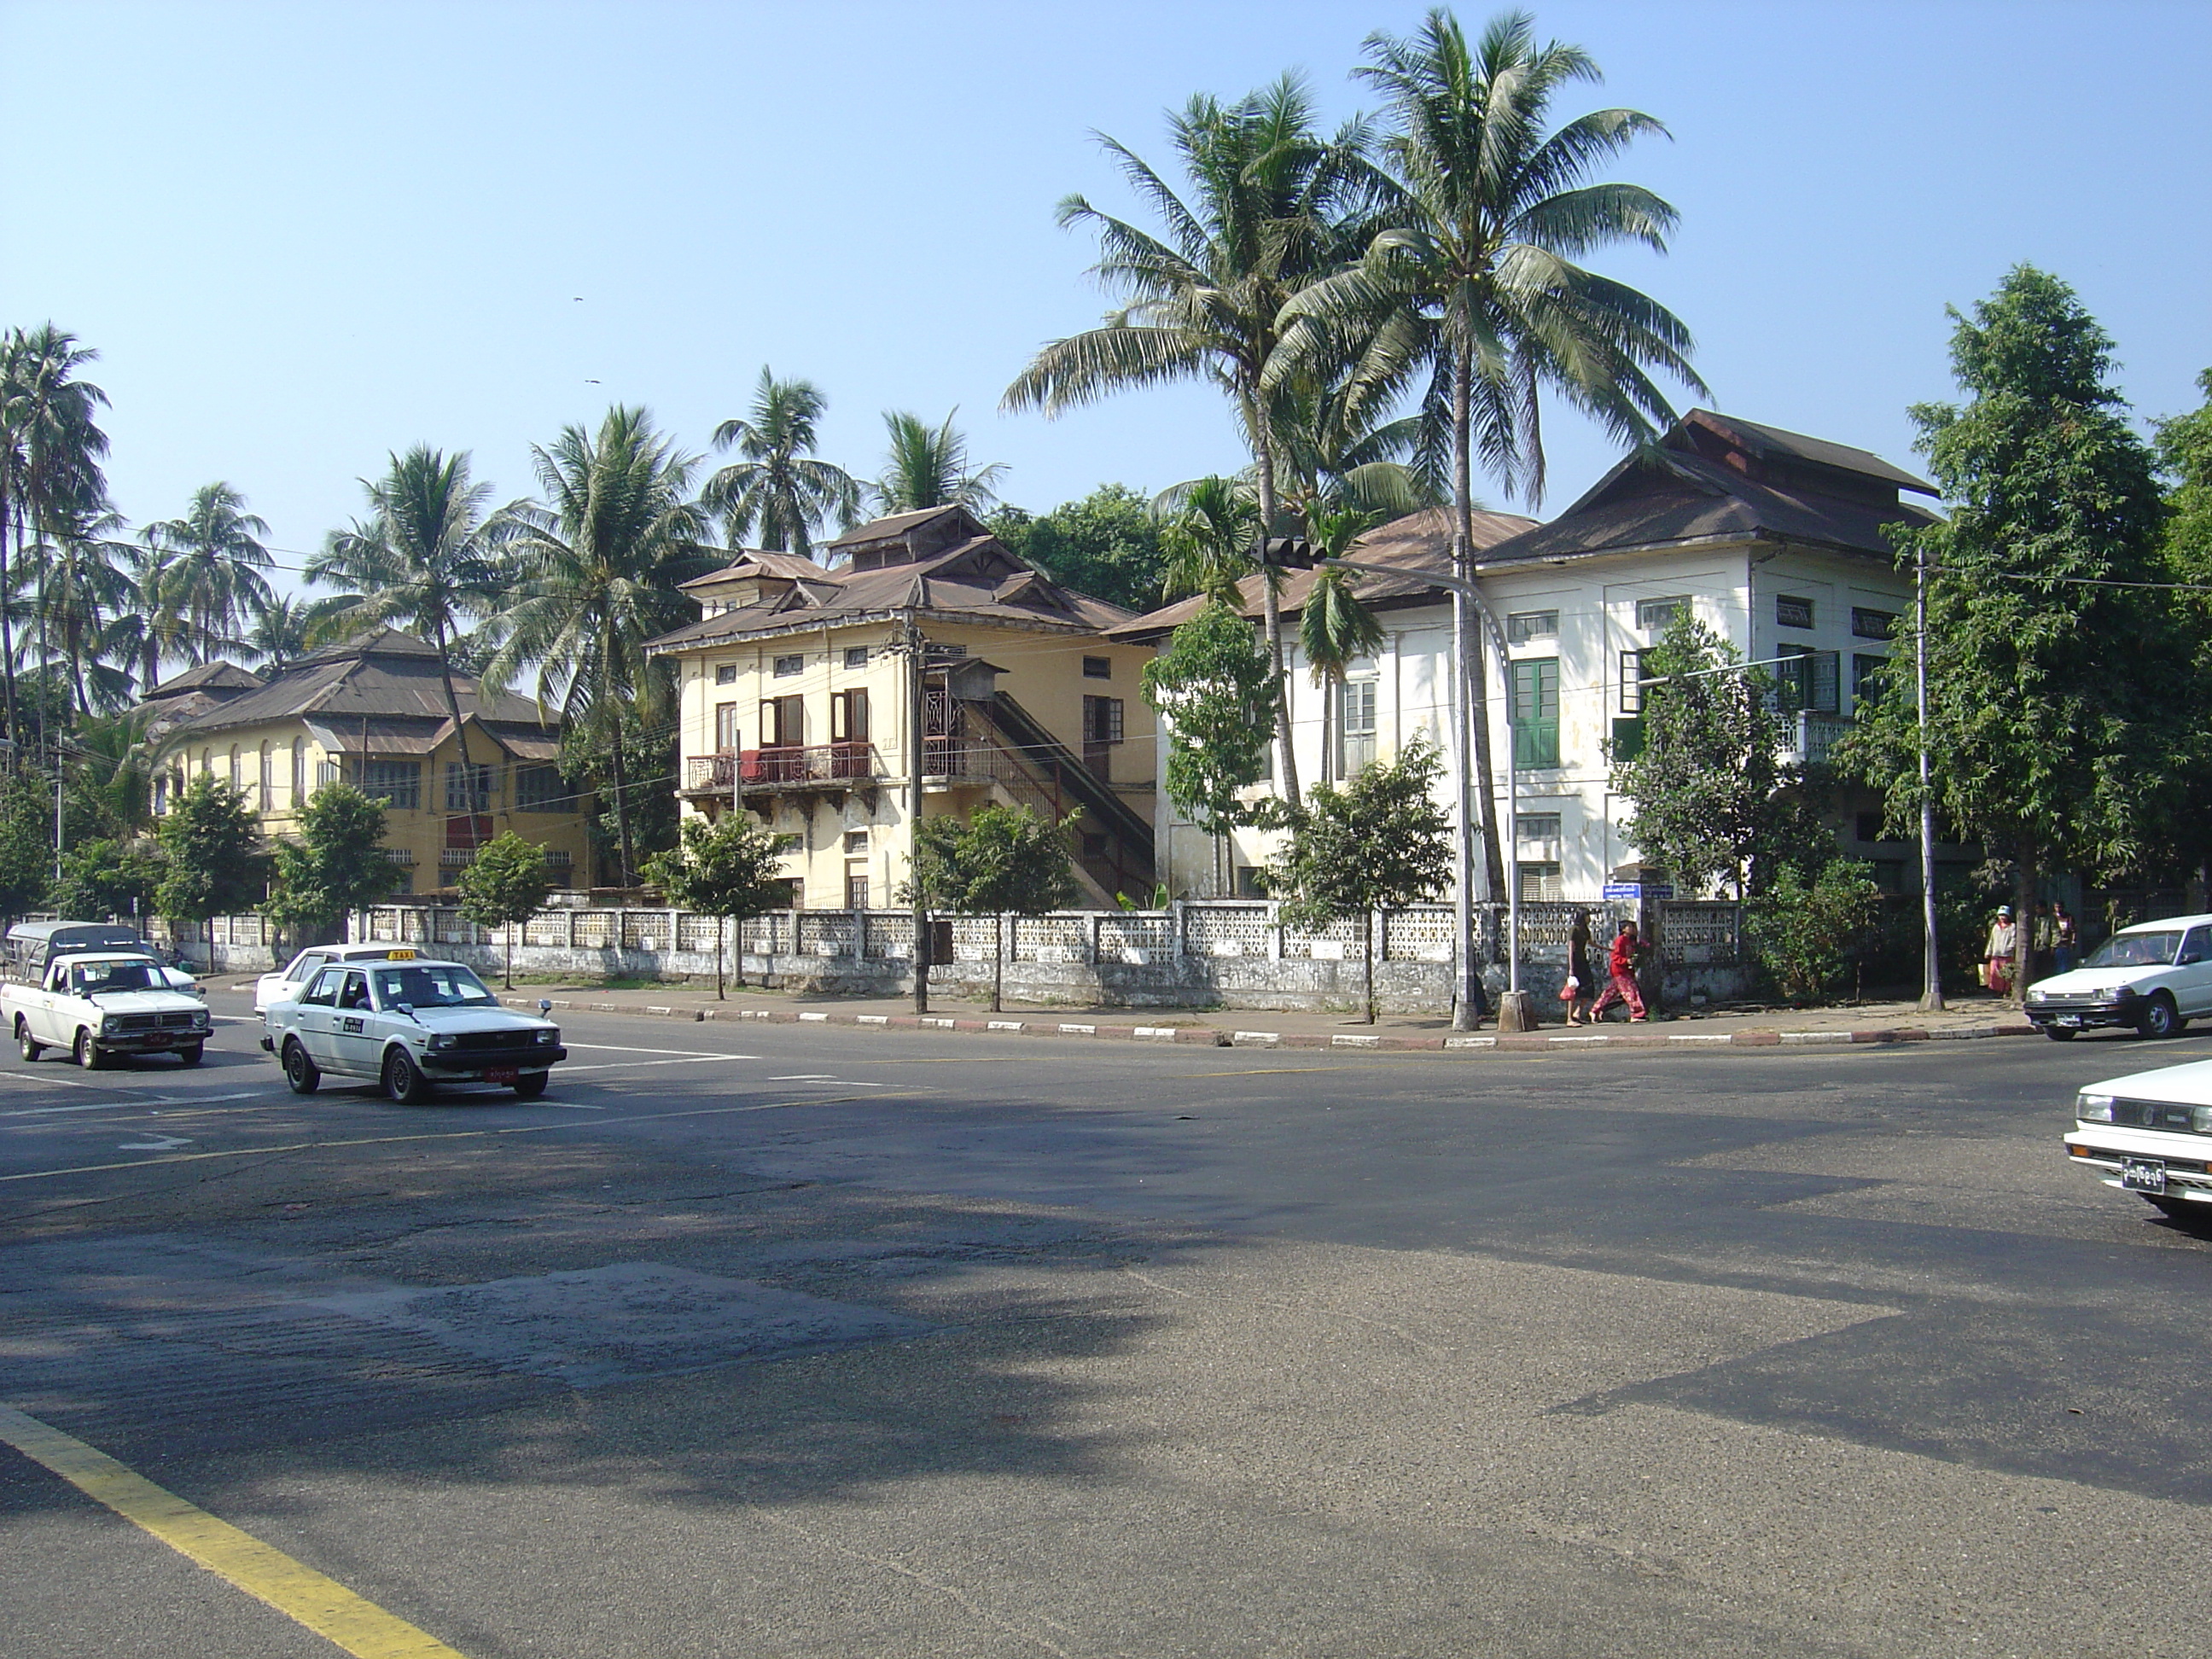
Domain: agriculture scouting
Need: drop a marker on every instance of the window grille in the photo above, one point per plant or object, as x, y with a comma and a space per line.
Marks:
1356, 740
725, 673
468, 788
396, 783
856, 656
1873, 624
1098, 668
542, 789
1102, 719
856, 840
1522, 626
787, 666
1790, 612
1807, 678
1657, 616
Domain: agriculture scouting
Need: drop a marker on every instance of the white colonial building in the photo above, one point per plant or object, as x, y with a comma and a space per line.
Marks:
1772, 539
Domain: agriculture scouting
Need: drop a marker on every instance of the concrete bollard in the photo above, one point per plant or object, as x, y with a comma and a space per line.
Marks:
1516, 1011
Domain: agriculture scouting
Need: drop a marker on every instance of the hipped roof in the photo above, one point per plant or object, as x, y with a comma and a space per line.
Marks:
389, 681
1420, 542
979, 580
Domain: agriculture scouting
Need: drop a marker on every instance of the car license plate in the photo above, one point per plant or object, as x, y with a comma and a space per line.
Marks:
2143, 1175
508, 1073
2072, 1022
159, 1039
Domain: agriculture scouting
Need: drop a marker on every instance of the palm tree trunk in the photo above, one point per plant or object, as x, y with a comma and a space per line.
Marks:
1469, 640
7, 628
1271, 610
460, 731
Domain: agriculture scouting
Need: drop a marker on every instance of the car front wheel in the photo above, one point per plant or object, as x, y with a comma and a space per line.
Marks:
531, 1085
191, 1056
2059, 1033
2161, 1018
87, 1052
402, 1078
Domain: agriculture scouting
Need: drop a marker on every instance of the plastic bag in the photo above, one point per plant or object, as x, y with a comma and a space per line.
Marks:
1571, 989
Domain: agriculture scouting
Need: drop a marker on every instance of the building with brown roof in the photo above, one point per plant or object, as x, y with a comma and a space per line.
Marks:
374, 713
795, 701
1772, 538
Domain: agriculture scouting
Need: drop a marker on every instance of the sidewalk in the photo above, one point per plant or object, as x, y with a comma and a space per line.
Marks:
1867, 1023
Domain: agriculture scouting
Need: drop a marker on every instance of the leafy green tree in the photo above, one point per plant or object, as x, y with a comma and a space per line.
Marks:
927, 466
1214, 685
1712, 797
1808, 934
423, 560
26, 842
2042, 747
505, 885
1471, 285
337, 866
106, 792
727, 870
1001, 860
107, 877
213, 858
214, 573
1379, 843
597, 573
1270, 209
777, 489
1106, 544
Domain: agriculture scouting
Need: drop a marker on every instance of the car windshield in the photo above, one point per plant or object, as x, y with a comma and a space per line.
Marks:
2136, 950
429, 987
95, 977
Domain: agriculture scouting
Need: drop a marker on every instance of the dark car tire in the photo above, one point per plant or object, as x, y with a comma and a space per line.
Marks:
2161, 1018
301, 1075
87, 1052
193, 1055
2059, 1033
404, 1081
26, 1045
531, 1085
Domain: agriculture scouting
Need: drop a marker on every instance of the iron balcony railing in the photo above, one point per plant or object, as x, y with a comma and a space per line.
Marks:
786, 767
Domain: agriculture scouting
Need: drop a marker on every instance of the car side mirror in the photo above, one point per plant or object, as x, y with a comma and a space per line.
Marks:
406, 1008
546, 1004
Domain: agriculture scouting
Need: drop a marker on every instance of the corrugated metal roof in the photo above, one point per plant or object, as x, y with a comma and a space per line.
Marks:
392, 676
884, 530
1772, 441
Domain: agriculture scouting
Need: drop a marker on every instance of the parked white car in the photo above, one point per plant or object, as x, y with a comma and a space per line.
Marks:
2150, 1134
101, 1004
2155, 976
409, 1024
287, 983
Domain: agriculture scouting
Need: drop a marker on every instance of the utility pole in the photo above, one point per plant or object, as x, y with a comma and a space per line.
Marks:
1931, 967
917, 714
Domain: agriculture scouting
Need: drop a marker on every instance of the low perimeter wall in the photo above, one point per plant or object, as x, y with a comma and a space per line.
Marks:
1204, 954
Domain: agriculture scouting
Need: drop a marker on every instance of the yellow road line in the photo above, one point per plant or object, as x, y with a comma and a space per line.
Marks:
299, 1592
446, 1134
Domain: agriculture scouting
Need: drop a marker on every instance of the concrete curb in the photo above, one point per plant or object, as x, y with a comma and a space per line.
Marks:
1213, 1038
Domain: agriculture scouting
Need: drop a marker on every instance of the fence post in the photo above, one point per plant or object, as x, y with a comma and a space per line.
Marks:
1274, 930
859, 935
1093, 924
1178, 929
572, 930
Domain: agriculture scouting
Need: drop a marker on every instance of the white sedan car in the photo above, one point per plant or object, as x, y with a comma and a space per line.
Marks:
410, 1025
287, 981
2155, 977
2150, 1133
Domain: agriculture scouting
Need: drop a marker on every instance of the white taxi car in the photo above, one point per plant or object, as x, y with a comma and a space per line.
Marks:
288, 982
410, 1025
2155, 976
2150, 1133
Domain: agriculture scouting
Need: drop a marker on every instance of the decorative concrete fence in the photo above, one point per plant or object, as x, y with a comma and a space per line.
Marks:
1197, 954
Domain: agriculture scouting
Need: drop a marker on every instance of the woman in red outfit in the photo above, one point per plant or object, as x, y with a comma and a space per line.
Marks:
1620, 963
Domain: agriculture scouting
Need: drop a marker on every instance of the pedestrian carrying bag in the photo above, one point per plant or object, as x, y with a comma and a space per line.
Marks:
1571, 989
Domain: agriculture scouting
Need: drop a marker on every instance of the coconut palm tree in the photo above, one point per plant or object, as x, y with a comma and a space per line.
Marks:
1472, 285
81, 594
280, 635
422, 561
150, 626
927, 466
1207, 528
595, 569
778, 491
1272, 206
51, 448
216, 562
1334, 628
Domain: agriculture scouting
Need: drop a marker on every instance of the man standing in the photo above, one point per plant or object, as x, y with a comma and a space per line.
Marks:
1621, 965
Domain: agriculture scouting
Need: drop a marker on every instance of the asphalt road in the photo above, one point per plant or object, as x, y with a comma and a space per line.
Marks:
784, 1341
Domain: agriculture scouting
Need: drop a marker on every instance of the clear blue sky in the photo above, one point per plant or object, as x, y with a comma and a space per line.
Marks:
302, 236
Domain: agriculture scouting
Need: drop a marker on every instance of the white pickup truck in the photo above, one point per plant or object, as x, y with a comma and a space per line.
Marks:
99, 1004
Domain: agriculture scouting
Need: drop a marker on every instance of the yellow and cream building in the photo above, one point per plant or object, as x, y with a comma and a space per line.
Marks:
374, 713
796, 705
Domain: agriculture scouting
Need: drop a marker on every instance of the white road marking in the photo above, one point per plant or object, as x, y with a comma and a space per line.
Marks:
155, 1143
639, 1064
143, 1100
805, 1077
625, 1049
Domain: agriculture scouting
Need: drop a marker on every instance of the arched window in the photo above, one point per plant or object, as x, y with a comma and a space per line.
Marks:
268, 791
207, 762
233, 766
299, 772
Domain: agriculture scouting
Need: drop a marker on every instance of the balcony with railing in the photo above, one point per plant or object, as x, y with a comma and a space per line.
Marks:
792, 766
1813, 733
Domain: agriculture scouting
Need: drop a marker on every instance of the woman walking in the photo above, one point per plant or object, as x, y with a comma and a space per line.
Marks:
1582, 975
1620, 963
